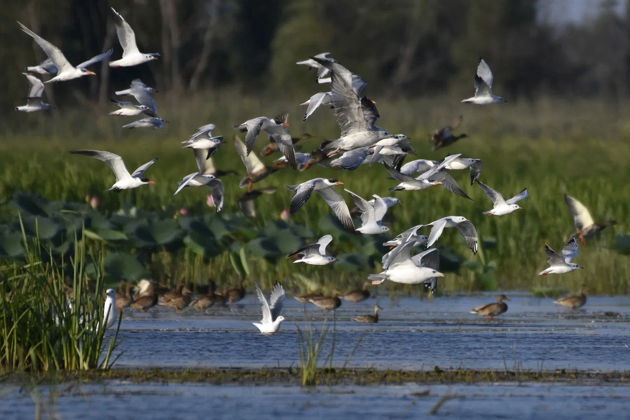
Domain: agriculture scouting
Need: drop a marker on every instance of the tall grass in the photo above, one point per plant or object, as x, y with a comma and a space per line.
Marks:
552, 147
310, 346
51, 312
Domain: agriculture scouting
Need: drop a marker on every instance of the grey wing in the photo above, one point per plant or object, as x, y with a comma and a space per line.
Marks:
114, 161
416, 166
285, 144
518, 197
251, 161
436, 230
96, 59
276, 299
204, 129
185, 181
553, 258
143, 168
398, 255
367, 210
51, 51
401, 177
338, 206
581, 216
468, 231
302, 194
449, 183
439, 166
429, 258
37, 86
143, 96
126, 36
494, 195
266, 310
323, 242
402, 237
351, 159
380, 208
253, 128
217, 191
484, 72
570, 250
204, 164
315, 101
475, 171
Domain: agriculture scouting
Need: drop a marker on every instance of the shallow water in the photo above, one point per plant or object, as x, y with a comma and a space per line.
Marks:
412, 334
118, 400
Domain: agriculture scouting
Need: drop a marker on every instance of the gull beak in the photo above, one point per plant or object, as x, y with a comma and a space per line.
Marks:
91, 73
438, 182
285, 124
339, 182
151, 182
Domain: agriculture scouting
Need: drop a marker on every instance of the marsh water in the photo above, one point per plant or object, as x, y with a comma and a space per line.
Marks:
412, 334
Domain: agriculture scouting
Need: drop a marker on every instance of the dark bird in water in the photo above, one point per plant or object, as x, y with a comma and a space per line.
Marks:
573, 301
492, 309
369, 319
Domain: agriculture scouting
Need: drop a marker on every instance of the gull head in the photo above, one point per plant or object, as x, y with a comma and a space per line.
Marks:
147, 181
329, 258
332, 181
515, 207
111, 293
87, 72
280, 319
437, 273
152, 56
458, 219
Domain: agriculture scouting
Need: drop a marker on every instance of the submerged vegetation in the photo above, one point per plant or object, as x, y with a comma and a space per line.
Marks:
51, 310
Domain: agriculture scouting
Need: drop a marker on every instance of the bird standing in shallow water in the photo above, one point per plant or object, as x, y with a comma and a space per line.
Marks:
573, 301
369, 319
492, 309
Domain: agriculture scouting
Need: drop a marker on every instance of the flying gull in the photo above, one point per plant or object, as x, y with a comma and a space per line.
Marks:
500, 205
124, 180
271, 318
314, 254
322, 186
483, 87
127, 38
561, 263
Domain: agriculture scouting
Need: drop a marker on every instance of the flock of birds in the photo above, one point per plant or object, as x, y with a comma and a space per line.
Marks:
361, 141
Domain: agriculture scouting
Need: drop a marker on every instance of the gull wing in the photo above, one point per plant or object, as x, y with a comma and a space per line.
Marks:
402, 237
217, 190
250, 160
570, 250
468, 231
354, 112
204, 129
429, 258
581, 216
315, 101
51, 51
494, 195
518, 197
126, 36
323, 242
417, 166
401, 177
439, 166
380, 207
253, 128
484, 72
449, 183
351, 159
96, 59
143, 168
553, 258
185, 181
37, 86
276, 299
266, 310
114, 161
436, 230
280, 135
397, 255
367, 210
475, 171
303, 192
204, 163
336, 202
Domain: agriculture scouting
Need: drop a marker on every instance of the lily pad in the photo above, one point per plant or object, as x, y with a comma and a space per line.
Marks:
124, 267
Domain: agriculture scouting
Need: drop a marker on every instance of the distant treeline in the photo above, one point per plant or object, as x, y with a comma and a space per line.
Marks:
402, 47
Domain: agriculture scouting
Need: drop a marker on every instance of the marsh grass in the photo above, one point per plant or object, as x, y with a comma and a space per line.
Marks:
552, 147
310, 345
51, 315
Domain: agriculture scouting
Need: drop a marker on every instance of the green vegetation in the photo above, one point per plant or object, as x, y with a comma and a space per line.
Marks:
310, 344
550, 147
51, 311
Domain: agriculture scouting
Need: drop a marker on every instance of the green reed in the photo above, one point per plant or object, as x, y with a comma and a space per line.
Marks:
51, 312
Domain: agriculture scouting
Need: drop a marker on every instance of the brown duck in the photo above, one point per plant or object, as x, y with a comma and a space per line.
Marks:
147, 296
573, 301
181, 300
444, 136
123, 296
357, 295
234, 294
492, 309
326, 302
369, 319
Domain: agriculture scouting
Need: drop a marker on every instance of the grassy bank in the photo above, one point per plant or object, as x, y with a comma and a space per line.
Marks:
551, 147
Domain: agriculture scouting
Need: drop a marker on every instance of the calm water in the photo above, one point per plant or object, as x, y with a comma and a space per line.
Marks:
120, 400
412, 334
